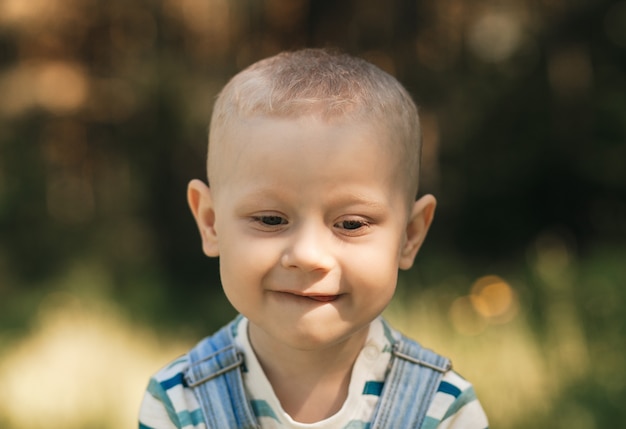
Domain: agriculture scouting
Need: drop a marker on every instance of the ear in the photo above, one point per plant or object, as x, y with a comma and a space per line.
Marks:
420, 218
201, 204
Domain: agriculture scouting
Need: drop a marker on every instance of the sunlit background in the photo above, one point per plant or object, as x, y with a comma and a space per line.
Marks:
104, 107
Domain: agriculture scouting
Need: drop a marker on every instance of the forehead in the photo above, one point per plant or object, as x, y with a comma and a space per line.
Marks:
261, 143
311, 134
236, 134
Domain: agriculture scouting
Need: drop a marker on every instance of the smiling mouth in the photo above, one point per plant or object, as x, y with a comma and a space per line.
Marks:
318, 298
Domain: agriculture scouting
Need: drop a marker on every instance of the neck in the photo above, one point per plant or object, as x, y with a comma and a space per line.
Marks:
311, 385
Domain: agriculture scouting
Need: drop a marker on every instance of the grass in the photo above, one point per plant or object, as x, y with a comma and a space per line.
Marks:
82, 366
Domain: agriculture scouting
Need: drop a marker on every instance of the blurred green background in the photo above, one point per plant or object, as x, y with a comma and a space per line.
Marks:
104, 107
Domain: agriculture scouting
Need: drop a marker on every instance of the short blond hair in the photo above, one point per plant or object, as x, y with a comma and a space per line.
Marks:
328, 84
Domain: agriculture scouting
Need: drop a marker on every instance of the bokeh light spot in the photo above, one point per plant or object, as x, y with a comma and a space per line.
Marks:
495, 36
61, 87
494, 299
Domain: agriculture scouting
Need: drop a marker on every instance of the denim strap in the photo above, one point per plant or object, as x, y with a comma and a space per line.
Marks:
214, 374
410, 386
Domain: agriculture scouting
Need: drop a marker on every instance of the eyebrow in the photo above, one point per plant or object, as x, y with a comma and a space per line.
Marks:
363, 200
377, 202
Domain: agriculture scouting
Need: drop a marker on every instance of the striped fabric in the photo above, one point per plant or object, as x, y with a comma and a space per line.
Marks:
168, 403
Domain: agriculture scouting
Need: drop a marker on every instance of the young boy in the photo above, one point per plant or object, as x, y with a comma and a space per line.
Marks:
313, 172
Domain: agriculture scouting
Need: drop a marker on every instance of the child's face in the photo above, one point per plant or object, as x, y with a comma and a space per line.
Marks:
311, 224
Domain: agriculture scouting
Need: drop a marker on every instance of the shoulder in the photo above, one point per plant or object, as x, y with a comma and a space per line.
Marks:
168, 402
455, 405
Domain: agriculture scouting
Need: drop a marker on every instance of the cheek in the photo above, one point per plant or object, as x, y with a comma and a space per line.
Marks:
244, 260
384, 255
377, 270
378, 266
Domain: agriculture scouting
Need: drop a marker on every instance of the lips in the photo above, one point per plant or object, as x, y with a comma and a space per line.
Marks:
323, 298
312, 297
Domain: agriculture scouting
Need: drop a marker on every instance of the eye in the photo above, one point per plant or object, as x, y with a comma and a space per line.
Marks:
351, 224
270, 220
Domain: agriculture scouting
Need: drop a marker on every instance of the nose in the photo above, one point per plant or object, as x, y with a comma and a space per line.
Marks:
309, 249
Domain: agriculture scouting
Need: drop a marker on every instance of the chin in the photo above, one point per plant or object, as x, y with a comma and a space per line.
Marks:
318, 339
